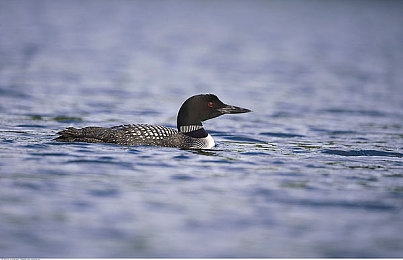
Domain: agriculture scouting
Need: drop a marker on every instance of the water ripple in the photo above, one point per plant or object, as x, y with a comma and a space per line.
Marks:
281, 135
243, 139
362, 153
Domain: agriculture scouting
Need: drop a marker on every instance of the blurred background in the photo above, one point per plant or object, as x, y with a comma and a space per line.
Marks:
67, 55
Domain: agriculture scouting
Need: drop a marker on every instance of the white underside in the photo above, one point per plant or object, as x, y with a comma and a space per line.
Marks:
209, 142
202, 143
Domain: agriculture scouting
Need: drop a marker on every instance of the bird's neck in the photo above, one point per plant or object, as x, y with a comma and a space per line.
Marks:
196, 131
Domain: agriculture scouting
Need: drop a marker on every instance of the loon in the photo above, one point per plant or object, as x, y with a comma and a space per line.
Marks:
190, 133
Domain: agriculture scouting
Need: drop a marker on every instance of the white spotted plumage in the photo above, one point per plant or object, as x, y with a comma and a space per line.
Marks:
159, 135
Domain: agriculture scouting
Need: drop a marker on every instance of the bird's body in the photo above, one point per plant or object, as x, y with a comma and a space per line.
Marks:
136, 134
190, 133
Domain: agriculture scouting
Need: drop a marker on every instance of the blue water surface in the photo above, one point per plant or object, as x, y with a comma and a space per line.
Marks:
315, 171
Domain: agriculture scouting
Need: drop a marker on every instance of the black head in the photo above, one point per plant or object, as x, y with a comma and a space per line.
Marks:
203, 107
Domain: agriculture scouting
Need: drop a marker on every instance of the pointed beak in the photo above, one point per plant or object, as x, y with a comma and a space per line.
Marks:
228, 109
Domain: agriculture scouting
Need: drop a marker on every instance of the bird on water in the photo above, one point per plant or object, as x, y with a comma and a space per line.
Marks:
190, 133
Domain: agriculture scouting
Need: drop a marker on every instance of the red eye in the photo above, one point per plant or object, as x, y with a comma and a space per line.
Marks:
210, 104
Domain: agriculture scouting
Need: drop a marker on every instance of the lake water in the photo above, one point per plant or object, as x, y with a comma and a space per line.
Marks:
315, 171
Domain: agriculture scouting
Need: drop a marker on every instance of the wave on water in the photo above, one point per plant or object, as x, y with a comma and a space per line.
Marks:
362, 153
282, 135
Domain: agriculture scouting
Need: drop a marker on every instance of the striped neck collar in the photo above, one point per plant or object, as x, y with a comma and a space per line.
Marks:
189, 128
195, 131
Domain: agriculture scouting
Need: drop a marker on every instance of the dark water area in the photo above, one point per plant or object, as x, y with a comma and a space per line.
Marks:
315, 171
